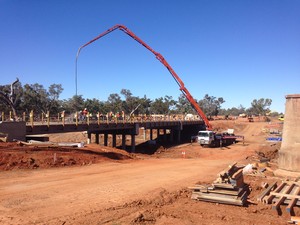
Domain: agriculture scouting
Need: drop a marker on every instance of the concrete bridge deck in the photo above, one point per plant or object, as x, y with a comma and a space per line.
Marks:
172, 131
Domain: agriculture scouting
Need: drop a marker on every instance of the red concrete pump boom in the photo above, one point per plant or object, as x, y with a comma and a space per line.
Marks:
183, 89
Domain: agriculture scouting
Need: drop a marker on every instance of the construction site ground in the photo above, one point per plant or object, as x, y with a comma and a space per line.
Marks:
104, 185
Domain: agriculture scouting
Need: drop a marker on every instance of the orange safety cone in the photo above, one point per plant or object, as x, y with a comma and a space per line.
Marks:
183, 153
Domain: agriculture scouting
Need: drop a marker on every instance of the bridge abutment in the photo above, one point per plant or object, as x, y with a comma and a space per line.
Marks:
14, 130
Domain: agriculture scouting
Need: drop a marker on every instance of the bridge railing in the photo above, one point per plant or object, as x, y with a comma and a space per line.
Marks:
78, 118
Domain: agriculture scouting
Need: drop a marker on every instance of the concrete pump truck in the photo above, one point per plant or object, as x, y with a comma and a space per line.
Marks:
207, 137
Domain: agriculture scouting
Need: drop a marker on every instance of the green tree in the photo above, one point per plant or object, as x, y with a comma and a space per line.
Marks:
4, 99
183, 106
54, 91
54, 104
127, 93
93, 105
74, 104
34, 98
145, 105
233, 111
163, 105
10, 99
130, 102
260, 106
211, 105
114, 103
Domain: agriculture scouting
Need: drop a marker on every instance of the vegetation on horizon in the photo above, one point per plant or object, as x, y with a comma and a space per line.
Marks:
36, 97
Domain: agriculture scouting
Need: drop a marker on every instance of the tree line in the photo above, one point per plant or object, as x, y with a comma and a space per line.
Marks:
42, 100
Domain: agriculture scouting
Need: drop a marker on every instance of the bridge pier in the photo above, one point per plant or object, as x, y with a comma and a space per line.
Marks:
97, 138
151, 134
178, 136
114, 140
289, 154
158, 134
105, 139
171, 135
89, 138
113, 134
133, 143
124, 141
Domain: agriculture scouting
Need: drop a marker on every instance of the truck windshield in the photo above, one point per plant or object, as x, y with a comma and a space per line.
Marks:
203, 134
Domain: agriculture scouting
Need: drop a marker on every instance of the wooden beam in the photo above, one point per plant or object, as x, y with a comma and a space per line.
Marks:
293, 201
285, 195
266, 191
287, 201
268, 199
225, 199
293, 182
282, 198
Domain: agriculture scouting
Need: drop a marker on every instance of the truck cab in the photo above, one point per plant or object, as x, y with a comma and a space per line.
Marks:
206, 137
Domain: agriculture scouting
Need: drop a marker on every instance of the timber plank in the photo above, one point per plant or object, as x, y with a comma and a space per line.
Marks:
285, 195
282, 198
222, 199
268, 199
266, 192
293, 201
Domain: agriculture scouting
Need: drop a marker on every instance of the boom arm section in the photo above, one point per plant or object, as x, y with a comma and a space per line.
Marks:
182, 88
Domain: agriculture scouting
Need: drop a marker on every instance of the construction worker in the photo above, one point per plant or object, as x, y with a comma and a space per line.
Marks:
85, 113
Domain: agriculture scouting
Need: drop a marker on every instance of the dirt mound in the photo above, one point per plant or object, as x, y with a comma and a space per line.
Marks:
268, 151
224, 125
17, 157
13, 156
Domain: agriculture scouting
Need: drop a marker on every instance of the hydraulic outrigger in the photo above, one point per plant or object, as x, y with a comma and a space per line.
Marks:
183, 89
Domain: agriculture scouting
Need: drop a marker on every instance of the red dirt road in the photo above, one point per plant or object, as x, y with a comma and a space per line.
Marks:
58, 194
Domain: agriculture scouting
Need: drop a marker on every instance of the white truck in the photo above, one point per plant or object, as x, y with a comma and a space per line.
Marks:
213, 139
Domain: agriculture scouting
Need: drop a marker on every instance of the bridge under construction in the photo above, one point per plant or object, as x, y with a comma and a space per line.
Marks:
167, 131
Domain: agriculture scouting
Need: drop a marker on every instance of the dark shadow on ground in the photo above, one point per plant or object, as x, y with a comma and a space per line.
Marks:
150, 148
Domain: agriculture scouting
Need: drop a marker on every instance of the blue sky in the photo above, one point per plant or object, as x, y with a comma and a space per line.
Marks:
236, 49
